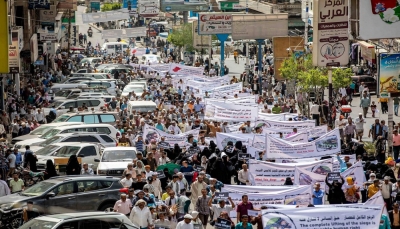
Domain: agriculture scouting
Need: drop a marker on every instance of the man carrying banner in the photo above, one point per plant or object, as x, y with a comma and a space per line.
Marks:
243, 207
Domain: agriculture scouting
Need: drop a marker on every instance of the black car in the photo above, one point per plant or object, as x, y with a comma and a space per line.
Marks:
65, 194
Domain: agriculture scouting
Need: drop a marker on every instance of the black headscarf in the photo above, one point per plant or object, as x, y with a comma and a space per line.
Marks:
73, 166
50, 169
288, 181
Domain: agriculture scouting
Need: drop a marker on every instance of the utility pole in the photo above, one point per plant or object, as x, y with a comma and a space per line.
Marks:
69, 32
306, 26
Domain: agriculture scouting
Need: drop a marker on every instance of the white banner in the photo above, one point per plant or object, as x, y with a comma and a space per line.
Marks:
325, 145
305, 177
160, 68
226, 90
150, 133
115, 15
265, 124
275, 117
333, 217
315, 132
111, 33
139, 52
224, 138
136, 32
297, 196
258, 189
179, 69
270, 173
230, 112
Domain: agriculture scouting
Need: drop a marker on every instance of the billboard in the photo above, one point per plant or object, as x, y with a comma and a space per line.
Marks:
199, 41
173, 6
48, 15
258, 26
148, 8
4, 38
13, 53
384, 15
389, 74
331, 23
215, 23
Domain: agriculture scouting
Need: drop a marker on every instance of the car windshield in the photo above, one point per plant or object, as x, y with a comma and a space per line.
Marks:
134, 89
57, 103
50, 133
41, 130
46, 151
119, 155
67, 151
50, 141
37, 189
61, 118
62, 93
38, 224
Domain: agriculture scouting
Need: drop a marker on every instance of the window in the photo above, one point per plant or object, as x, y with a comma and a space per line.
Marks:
69, 104
110, 46
72, 139
94, 103
75, 119
106, 138
88, 151
104, 184
103, 130
81, 102
69, 225
91, 224
86, 186
90, 119
107, 118
67, 151
89, 139
64, 189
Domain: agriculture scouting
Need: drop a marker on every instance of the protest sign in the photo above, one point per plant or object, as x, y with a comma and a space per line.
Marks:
160, 174
257, 189
357, 173
269, 173
229, 112
297, 196
253, 213
325, 145
224, 138
222, 195
150, 133
184, 70
334, 217
266, 124
222, 224
333, 176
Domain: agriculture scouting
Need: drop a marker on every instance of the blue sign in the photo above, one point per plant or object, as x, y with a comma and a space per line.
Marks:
39, 4
168, 8
133, 4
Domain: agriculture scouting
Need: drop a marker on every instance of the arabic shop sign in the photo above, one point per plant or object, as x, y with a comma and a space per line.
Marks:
230, 6
215, 23
331, 18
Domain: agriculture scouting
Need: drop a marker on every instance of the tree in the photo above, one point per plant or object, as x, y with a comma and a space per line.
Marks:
182, 37
108, 6
292, 66
341, 77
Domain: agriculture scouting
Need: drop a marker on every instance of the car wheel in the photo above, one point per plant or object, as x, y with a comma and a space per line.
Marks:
107, 208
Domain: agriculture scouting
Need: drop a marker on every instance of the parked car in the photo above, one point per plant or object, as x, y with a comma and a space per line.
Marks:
38, 132
368, 80
89, 117
86, 151
65, 194
104, 139
65, 105
103, 220
114, 160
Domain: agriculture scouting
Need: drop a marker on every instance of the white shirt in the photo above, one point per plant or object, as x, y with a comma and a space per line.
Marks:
359, 123
141, 217
314, 109
163, 161
126, 183
338, 122
39, 117
243, 176
217, 210
183, 225
174, 128
4, 189
12, 158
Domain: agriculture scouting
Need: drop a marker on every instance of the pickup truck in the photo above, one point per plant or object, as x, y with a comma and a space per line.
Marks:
88, 152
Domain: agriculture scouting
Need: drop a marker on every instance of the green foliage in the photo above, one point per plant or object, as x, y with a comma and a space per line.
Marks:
341, 77
108, 6
291, 67
309, 80
182, 37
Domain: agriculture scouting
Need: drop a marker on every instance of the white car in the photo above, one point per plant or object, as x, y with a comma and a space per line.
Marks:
114, 160
65, 105
104, 139
138, 89
86, 151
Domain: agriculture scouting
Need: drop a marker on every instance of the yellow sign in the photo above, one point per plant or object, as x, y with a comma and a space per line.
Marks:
4, 36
